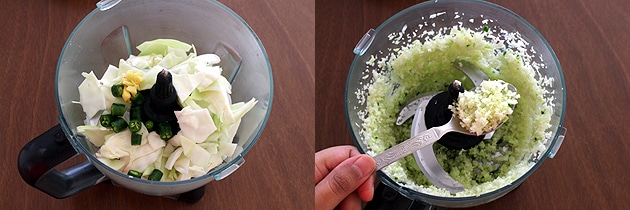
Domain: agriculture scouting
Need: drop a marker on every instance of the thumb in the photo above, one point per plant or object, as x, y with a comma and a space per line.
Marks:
343, 180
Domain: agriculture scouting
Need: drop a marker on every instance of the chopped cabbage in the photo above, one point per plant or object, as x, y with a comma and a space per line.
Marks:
95, 133
186, 84
161, 46
195, 124
208, 120
91, 98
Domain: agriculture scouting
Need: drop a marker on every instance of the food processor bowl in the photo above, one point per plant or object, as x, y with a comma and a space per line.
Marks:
110, 33
423, 21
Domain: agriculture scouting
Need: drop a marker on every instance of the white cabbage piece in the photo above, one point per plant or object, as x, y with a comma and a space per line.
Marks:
170, 162
150, 144
95, 134
184, 85
218, 104
150, 77
211, 147
215, 161
207, 60
123, 67
239, 109
145, 62
207, 75
226, 149
141, 163
110, 75
116, 164
198, 156
196, 171
168, 149
140, 62
161, 46
182, 164
173, 58
195, 124
116, 145
90, 96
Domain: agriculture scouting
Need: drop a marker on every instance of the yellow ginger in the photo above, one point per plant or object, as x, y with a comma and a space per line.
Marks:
131, 81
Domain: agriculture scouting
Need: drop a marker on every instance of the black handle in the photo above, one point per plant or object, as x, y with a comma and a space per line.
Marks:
39, 157
192, 196
386, 198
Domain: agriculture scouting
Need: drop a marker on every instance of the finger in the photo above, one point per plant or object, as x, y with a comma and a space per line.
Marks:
326, 160
343, 180
352, 202
366, 190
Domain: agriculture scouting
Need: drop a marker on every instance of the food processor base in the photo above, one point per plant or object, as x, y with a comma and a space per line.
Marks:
386, 198
192, 196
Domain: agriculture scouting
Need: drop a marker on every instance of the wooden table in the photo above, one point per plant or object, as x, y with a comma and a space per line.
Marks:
592, 44
278, 170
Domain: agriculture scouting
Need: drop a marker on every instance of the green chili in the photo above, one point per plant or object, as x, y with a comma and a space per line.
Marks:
134, 173
118, 109
165, 131
149, 125
106, 120
156, 175
138, 99
117, 90
136, 139
135, 125
119, 124
135, 113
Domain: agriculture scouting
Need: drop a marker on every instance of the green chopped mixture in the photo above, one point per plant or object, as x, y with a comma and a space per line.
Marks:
423, 67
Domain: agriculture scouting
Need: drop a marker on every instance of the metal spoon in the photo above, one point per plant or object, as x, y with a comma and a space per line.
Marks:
424, 139
417, 142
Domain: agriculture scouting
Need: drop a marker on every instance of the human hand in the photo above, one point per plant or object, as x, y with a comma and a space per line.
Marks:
343, 177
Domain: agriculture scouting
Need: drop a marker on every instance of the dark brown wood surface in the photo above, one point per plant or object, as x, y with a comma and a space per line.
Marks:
277, 173
592, 43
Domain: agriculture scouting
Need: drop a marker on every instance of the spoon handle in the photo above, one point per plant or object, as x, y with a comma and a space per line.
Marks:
407, 147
